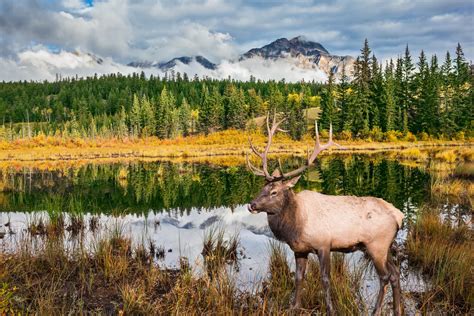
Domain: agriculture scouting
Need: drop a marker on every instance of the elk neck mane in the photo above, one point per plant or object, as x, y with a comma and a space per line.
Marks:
286, 224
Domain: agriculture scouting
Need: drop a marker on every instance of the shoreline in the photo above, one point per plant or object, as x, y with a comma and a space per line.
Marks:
191, 150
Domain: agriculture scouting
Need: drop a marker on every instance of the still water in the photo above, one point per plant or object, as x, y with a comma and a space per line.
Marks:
174, 204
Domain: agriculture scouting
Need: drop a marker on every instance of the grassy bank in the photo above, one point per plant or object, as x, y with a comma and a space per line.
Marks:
46, 276
442, 251
226, 143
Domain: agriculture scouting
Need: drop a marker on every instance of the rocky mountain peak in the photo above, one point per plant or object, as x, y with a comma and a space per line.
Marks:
283, 47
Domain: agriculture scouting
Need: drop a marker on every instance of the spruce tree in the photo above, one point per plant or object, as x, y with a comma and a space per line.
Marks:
388, 120
408, 110
122, 123
148, 117
135, 117
185, 119
463, 112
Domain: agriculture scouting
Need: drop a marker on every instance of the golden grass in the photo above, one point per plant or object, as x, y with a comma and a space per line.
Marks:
219, 144
444, 253
412, 154
111, 276
453, 188
449, 156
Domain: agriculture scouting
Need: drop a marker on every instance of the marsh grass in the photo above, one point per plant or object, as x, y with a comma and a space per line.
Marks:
443, 252
222, 143
114, 276
278, 290
448, 156
412, 154
219, 250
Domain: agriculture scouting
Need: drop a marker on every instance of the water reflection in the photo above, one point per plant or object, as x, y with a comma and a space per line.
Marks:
138, 187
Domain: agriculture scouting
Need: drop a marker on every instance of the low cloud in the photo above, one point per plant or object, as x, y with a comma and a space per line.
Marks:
158, 30
40, 64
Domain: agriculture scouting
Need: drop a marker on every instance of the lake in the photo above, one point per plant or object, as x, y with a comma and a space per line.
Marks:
173, 205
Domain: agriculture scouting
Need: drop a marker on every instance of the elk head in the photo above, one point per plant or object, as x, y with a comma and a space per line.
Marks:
277, 191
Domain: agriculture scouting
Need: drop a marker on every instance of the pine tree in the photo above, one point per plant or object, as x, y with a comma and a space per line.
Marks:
185, 119
424, 110
235, 109
165, 114
276, 100
255, 103
399, 93
295, 122
135, 116
376, 105
206, 114
463, 114
148, 117
343, 91
330, 112
122, 123
388, 123
92, 128
408, 110
362, 78
447, 98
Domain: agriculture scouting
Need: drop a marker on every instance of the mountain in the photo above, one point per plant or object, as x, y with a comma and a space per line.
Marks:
304, 54
279, 48
292, 60
171, 64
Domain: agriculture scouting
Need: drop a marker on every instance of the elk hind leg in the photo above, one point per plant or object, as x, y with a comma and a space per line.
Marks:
396, 290
379, 257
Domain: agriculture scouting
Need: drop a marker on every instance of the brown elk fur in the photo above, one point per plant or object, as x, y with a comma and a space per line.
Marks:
311, 222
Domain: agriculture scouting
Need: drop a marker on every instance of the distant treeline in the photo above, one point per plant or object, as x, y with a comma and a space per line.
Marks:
397, 99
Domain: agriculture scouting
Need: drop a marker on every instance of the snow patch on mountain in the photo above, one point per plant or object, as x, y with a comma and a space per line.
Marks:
290, 60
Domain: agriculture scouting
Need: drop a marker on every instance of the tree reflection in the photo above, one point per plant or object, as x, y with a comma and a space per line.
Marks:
138, 187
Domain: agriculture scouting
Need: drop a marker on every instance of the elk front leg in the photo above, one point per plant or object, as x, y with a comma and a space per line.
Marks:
324, 256
301, 260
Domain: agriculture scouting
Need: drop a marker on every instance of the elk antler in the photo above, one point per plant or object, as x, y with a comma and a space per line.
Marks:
317, 149
264, 156
271, 131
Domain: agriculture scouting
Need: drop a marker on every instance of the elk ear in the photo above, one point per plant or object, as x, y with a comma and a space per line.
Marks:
276, 173
291, 183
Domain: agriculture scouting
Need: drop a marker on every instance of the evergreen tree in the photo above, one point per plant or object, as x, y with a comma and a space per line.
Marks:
165, 114
135, 116
399, 94
122, 123
185, 119
148, 117
406, 101
362, 78
295, 122
376, 105
235, 107
207, 117
463, 116
447, 124
343, 91
388, 122
330, 111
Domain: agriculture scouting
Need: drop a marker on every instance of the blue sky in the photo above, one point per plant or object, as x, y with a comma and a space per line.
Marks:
128, 30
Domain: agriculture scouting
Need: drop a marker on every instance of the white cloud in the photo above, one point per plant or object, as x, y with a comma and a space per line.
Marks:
40, 64
158, 30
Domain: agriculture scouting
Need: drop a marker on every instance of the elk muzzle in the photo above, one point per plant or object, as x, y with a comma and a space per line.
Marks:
252, 207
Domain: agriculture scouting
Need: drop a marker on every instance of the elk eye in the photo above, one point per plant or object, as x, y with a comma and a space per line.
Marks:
273, 193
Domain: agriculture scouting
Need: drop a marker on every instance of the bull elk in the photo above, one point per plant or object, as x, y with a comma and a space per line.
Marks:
311, 222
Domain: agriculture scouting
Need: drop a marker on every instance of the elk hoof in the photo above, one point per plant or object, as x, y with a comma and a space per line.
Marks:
295, 306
